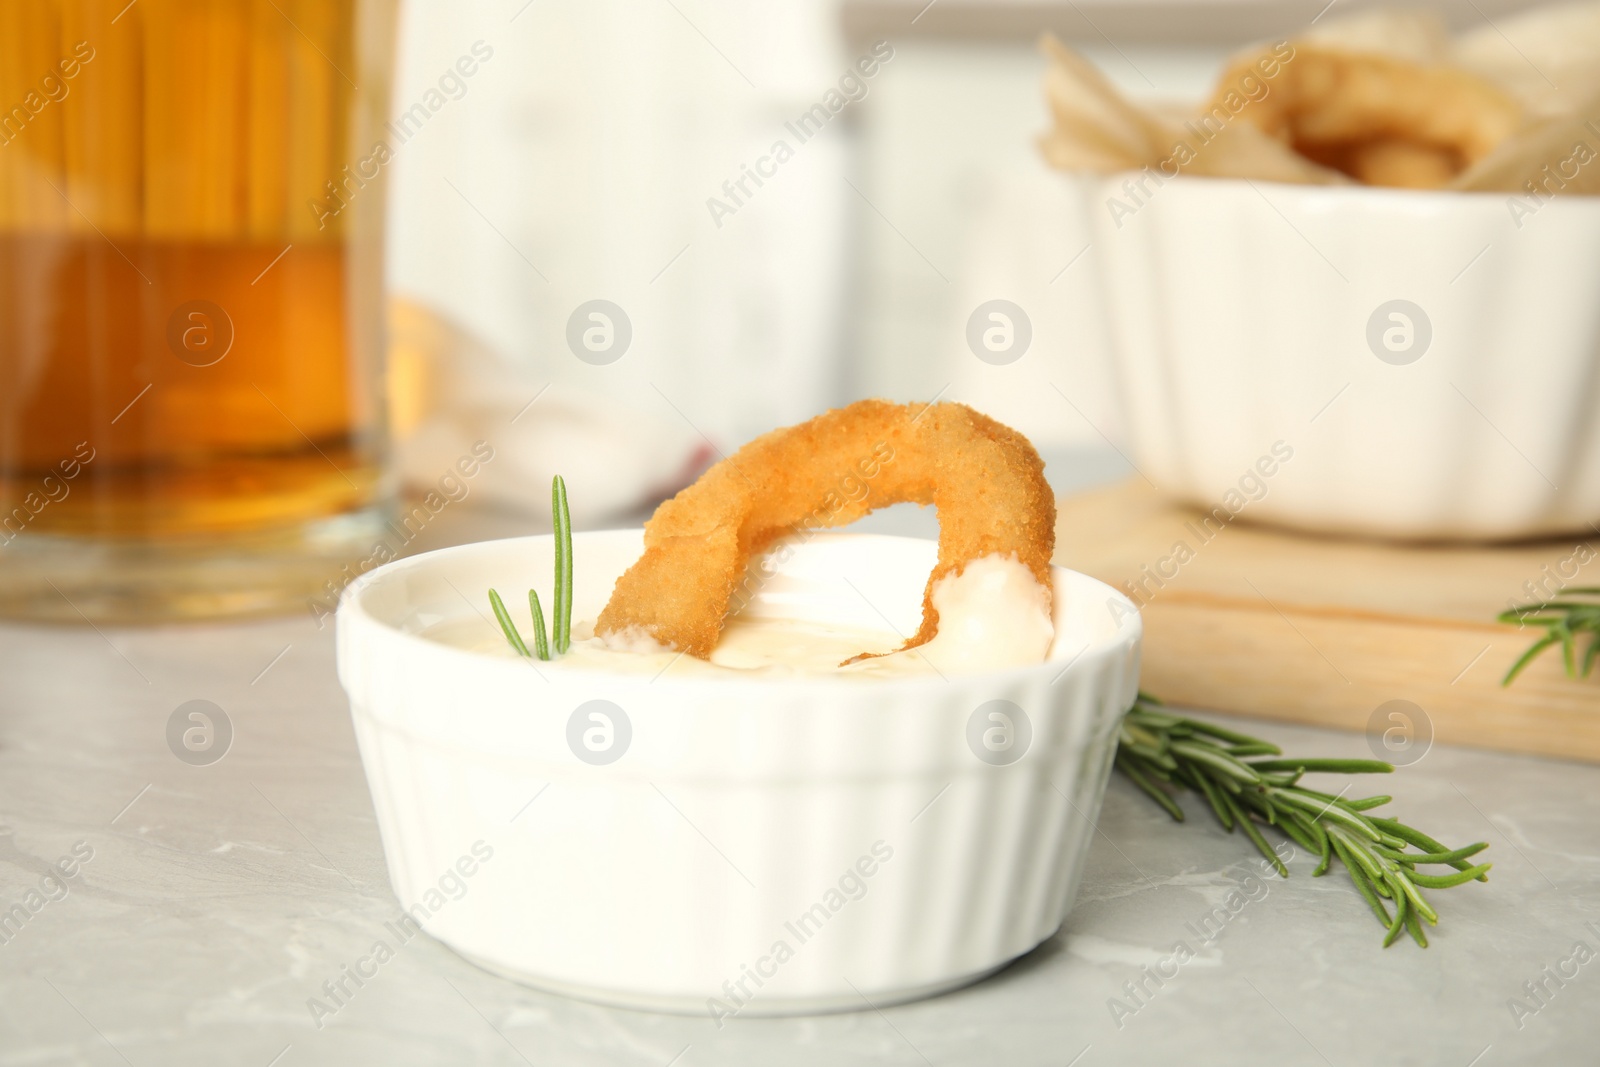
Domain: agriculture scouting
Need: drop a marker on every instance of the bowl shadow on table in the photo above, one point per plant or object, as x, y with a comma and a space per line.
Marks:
1043, 955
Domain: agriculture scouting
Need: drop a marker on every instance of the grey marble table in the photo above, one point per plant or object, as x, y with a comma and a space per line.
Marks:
207, 904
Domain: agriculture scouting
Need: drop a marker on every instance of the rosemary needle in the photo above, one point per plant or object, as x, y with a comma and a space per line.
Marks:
1158, 750
561, 610
541, 646
506, 625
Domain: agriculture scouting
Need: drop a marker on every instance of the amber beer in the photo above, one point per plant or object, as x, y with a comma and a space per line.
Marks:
183, 324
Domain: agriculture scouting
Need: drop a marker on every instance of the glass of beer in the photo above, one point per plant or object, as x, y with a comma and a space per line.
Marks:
191, 304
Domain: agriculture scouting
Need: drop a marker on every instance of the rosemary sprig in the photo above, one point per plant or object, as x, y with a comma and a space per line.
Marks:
1566, 622
561, 610
1164, 754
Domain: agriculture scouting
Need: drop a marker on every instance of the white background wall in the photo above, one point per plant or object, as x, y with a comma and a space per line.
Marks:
577, 167
948, 157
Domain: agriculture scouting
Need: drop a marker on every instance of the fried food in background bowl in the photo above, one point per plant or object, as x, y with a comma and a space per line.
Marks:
1374, 248
1381, 98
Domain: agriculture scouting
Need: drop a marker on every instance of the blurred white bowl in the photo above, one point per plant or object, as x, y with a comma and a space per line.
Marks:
848, 818
1431, 359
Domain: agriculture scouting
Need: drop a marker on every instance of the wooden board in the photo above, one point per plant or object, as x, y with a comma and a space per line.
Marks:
1271, 624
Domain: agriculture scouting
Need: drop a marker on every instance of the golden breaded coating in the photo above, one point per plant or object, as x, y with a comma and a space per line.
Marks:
1336, 107
985, 479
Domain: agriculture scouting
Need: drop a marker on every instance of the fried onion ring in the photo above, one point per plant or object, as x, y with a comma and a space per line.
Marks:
1332, 106
985, 479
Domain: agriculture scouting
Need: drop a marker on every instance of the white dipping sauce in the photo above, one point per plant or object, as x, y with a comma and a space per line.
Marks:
992, 616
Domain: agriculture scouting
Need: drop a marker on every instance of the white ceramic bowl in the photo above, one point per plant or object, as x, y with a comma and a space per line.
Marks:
846, 818
1245, 314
